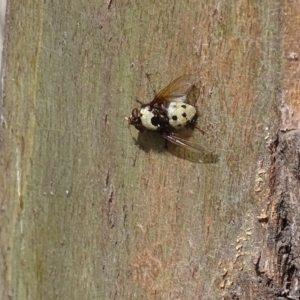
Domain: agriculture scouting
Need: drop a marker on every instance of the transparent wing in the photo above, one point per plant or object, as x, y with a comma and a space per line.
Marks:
177, 90
190, 151
175, 139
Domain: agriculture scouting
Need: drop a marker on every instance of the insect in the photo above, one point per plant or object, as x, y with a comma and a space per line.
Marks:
168, 112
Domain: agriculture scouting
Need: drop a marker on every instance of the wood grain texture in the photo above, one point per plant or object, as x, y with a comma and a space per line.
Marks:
93, 210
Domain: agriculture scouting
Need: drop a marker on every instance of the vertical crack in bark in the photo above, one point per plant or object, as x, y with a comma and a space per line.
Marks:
110, 214
283, 227
110, 202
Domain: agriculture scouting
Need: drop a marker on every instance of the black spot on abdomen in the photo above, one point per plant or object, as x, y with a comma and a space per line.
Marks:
174, 118
184, 115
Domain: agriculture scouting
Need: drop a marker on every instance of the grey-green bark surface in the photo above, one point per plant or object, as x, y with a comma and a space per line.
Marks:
86, 213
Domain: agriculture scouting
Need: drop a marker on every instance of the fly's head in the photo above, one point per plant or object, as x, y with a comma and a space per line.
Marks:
135, 120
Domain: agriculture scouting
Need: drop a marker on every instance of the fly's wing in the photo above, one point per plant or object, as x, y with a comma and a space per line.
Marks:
204, 154
175, 139
177, 90
195, 152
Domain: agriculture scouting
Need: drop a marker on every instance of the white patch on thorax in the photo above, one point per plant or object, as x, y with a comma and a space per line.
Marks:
146, 118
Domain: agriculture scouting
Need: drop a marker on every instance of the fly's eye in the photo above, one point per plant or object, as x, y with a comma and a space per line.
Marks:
135, 113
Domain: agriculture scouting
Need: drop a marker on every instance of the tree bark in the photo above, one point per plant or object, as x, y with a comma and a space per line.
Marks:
90, 209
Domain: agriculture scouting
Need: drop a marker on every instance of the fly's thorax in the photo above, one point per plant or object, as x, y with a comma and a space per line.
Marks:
149, 118
154, 118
